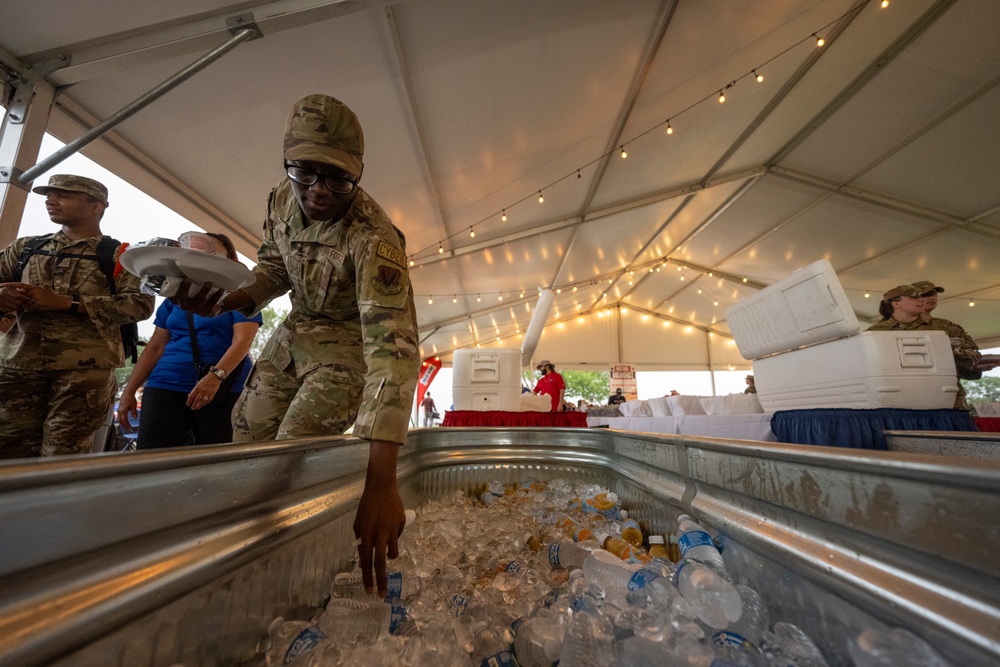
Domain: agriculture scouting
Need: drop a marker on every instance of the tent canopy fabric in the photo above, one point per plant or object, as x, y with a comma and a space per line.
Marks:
663, 205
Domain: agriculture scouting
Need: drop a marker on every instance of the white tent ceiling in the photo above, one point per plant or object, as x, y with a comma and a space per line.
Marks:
879, 151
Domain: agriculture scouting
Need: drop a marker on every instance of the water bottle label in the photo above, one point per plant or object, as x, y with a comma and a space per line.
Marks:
630, 523
303, 643
394, 590
396, 618
694, 538
513, 567
680, 566
501, 659
730, 638
641, 579
554, 555
458, 604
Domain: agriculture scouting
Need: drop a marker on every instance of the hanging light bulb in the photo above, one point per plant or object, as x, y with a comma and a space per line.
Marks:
578, 174
503, 216
472, 233
699, 291
819, 40
972, 303
885, 3
575, 288
522, 295
759, 77
500, 298
430, 301
479, 299
440, 249
559, 290
722, 97
715, 303
670, 130
744, 278
624, 154
454, 299
541, 197
411, 262
868, 294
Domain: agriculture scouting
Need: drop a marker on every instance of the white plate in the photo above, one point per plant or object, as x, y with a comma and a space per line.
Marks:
200, 267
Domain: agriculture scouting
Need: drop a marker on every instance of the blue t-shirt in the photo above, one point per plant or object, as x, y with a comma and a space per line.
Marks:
175, 370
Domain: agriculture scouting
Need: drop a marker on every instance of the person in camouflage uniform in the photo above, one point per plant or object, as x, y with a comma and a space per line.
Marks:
58, 356
902, 309
347, 352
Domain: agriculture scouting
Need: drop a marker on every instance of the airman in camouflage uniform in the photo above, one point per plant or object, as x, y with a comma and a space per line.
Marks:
347, 352
902, 307
57, 358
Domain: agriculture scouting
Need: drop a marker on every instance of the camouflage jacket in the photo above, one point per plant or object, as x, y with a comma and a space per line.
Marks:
352, 305
64, 341
966, 352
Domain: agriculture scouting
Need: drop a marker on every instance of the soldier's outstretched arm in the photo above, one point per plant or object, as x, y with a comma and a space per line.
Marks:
380, 518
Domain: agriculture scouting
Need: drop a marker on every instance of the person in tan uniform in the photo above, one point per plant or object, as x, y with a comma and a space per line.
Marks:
62, 341
347, 352
902, 308
929, 293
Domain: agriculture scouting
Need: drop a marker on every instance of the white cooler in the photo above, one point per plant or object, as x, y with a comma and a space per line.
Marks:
490, 379
487, 379
807, 352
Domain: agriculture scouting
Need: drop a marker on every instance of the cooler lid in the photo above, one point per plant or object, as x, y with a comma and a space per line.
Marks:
535, 326
807, 307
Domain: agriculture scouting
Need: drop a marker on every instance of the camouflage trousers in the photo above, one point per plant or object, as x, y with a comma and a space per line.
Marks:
50, 413
277, 405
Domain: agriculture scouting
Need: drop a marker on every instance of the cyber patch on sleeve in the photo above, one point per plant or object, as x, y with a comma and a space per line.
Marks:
391, 253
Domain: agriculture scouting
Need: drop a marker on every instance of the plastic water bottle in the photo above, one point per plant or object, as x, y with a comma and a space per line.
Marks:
613, 574
350, 585
697, 544
491, 648
350, 620
746, 631
623, 549
493, 491
788, 646
589, 642
539, 638
290, 640
564, 555
713, 599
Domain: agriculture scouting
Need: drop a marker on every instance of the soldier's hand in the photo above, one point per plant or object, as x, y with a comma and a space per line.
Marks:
42, 298
14, 296
205, 301
380, 518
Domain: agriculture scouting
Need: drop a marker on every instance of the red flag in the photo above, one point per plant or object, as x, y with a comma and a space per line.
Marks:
428, 369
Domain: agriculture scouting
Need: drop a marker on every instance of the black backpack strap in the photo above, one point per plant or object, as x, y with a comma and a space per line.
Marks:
106, 260
33, 247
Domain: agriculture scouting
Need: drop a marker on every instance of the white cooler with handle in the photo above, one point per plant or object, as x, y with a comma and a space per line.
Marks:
808, 351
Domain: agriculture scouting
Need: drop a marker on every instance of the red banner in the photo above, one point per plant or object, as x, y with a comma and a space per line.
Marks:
428, 369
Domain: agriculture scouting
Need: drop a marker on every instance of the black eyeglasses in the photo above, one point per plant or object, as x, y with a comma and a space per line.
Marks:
335, 184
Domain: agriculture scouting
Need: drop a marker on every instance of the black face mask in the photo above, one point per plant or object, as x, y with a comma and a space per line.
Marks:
545, 371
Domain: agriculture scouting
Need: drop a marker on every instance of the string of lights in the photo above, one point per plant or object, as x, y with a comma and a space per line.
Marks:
755, 74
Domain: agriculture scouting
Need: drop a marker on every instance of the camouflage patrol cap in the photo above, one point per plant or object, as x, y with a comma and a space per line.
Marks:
926, 286
901, 290
74, 183
323, 129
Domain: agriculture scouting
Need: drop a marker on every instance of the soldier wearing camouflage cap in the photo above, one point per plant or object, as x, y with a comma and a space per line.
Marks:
929, 291
902, 309
347, 353
58, 357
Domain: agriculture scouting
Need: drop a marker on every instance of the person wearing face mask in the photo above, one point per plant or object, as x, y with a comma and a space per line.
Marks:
347, 353
551, 384
902, 309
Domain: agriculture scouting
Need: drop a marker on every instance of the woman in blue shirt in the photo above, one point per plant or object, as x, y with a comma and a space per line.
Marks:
178, 406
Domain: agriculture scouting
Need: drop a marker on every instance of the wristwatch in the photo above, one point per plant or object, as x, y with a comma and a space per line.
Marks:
74, 306
218, 372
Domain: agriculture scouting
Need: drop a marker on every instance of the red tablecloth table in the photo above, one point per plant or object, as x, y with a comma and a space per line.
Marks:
498, 418
988, 424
